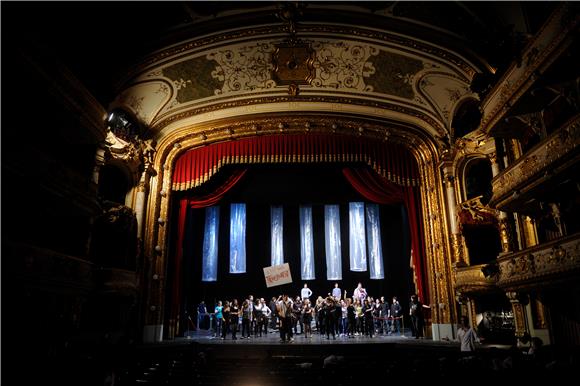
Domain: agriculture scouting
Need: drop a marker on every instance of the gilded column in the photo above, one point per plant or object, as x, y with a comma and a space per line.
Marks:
504, 225
518, 308
148, 152
456, 239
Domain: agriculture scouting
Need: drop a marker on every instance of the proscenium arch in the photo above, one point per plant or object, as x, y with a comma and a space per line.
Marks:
421, 146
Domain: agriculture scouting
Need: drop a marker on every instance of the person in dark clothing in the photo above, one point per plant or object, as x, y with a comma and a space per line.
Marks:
330, 317
226, 319
417, 317
368, 318
351, 320
235, 318
396, 312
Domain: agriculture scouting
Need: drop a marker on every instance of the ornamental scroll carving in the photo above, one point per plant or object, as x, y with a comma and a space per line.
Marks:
244, 69
554, 258
341, 64
338, 65
556, 146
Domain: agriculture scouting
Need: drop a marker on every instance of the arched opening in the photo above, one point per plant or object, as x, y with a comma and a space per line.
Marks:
467, 118
477, 180
290, 171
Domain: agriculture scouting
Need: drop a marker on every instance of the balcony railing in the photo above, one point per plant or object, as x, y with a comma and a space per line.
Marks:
543, 264
555, 154
471, 279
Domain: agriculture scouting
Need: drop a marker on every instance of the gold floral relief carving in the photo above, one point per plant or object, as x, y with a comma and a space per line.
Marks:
538, 261
244, 68
343, 65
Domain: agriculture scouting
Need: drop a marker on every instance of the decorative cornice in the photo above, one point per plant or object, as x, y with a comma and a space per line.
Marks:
542, 264
307, 30
164, 122
550, 156
471, 280
543, 50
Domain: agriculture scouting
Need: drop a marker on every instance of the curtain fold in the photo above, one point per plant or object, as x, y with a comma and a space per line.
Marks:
375, 250
277, 234
357, 239
210, 244
378, 189
237, 238
306, 243
332, 242
198, 165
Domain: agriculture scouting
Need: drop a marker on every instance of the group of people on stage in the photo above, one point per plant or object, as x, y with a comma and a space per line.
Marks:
334, 315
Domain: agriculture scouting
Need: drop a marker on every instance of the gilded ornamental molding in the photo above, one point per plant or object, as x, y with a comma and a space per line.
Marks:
472, 280
540, 264
530, 170
546, 46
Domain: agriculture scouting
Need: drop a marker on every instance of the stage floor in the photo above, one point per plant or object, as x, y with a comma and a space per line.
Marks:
273, 338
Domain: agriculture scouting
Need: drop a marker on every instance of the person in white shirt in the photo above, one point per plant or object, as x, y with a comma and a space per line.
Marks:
466, 336
305, 293
360, 293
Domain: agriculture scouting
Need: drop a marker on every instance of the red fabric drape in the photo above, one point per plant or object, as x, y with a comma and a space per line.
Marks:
378, 189
213, 198
194, 202
392, 161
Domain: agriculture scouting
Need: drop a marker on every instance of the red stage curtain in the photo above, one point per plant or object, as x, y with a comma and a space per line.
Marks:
194, 202
378, 189
393, 161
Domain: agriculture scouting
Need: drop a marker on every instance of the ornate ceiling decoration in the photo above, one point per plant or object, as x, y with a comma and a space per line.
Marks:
339, 69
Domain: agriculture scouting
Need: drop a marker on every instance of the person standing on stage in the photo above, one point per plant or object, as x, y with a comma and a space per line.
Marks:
396, 312
201, 313
336, 292
417, 318
273, 317
218, 318
350, 312
265, 313
226, 319
305, 293
360, 294
330, 316
385, 314
246, 312
252, 313
368, 318
234, 318
307, 311
297, 316
284, 308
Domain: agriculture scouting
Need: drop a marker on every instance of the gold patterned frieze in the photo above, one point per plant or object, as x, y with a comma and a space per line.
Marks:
472, 280
541, 263
545, 159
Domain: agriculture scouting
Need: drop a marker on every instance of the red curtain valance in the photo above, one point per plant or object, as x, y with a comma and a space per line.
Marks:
392, 161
